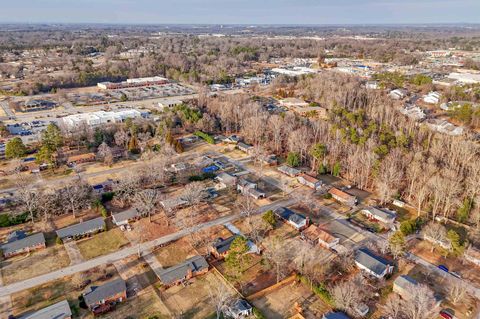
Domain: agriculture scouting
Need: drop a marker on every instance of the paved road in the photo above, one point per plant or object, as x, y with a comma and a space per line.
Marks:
111, 258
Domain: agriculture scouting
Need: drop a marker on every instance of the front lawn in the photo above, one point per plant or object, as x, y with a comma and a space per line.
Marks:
102, 243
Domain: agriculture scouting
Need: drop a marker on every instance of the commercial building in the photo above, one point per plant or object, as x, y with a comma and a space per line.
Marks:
465, 78
100, 118
136, 82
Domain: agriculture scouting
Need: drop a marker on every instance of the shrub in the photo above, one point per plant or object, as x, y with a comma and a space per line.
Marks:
293, 159
269, 218
58, 241
202, 177
7, 220
106, 197
327, 196
319, 289
257, 313
206, 137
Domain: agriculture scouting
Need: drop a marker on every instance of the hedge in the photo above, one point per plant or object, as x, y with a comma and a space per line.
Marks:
206, 137
7, 220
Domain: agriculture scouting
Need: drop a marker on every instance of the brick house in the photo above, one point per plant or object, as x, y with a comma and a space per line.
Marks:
19, 243
96, 298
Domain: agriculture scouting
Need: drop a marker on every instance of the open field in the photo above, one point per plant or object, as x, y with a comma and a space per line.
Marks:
37, 263
102, 243
41, 296
280, 303
194, 301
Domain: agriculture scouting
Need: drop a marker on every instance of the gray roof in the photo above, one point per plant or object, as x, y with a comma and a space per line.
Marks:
126, 215
289, 170
382, 214
20, 244
180, 271
289, 215
173, 202
335, 315
226, 178
369, 260
97, 294
59, 310
81, 228
244, 145
405, 282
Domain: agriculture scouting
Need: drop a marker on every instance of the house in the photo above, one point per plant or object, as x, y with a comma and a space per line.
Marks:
178, 167
472, 255
59, 310
18, 243
225, 179
238, 309
372, 264
244, 147
249, 189
82, 158
112, 292
173, 203
380, 215
290, 171
232, 139
269, 159
169, 103
193, 266
309, 181
220, 247
104, 187
404, 285
82, 229
297, 221
315, 235
125, 217
372, 85
335, 315
343, 197
397, 94
432, 98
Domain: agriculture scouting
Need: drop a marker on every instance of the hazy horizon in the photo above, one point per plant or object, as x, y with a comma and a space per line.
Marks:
264, 12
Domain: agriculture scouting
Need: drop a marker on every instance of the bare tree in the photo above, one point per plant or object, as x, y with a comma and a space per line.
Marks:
277, 254
104, 152
28, 196
126, 188
394, 306
220, 296
349, 294
76, 195
457, 291
420, 303
435, 232
193, 193
146, 201
121, 138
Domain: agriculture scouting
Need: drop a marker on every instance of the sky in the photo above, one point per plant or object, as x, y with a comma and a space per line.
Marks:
241, 11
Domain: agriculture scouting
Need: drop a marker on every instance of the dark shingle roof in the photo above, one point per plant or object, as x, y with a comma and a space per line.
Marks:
59, 310
371, 261
81, 228
223, 245
180, 271
335, 315
289, 215
97, 294
20, 244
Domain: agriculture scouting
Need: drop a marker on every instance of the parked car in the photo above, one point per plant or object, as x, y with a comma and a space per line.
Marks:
455, 274
446, 314
443, 267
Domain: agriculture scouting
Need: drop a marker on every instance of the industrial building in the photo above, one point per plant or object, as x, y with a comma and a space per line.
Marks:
136, 82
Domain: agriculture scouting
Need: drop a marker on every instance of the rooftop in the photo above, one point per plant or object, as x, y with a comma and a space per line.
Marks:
81, 228
180, 271
59, 310
19, 244
95, 294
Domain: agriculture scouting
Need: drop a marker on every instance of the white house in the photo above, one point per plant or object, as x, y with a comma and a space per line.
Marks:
372, 264
309, 181
377, 214
432, 98
397, 94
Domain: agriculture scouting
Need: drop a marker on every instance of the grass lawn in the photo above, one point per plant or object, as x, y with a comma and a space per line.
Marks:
38, 263
147, 304
174, 253
102, 243
44, 295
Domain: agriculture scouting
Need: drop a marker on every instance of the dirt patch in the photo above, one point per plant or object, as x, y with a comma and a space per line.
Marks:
37, 263
193, 300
